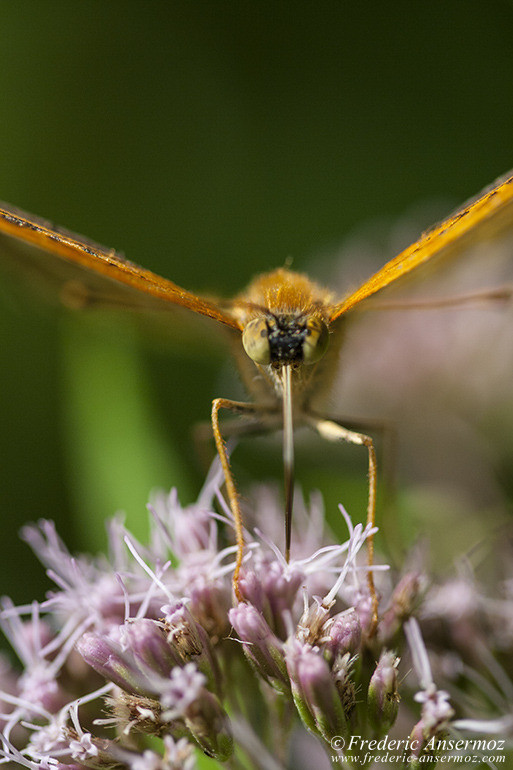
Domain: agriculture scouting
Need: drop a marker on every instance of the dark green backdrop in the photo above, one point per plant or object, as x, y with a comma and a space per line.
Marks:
208, 141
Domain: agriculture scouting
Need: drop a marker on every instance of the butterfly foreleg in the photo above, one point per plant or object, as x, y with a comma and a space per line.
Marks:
254, 425
386, 440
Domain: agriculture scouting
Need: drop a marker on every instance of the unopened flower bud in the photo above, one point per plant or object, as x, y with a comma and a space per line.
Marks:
209, 602
148, 642
263, 649
272, 588
383, 697
314, 691
345, 635
210, 726
110, 661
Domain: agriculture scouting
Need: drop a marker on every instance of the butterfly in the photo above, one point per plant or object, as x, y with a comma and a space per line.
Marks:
286, 331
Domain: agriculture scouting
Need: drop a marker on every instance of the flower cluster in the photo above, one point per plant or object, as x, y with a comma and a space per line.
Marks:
144, 660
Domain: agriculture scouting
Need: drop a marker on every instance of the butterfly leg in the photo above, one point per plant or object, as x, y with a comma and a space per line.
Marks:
332, 431
387, 450
241, 408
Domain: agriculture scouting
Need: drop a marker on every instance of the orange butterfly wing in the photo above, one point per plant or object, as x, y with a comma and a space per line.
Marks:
85, 273
484, 216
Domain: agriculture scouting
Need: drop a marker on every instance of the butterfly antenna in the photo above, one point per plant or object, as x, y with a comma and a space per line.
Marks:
288, 454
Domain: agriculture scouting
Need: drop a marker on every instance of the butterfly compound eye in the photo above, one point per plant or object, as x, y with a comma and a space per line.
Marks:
255, 339
316, 340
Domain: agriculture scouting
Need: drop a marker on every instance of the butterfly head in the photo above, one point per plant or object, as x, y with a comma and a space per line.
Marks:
285, 339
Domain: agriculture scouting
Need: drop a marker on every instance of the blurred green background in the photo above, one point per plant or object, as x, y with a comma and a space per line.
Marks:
208, 141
